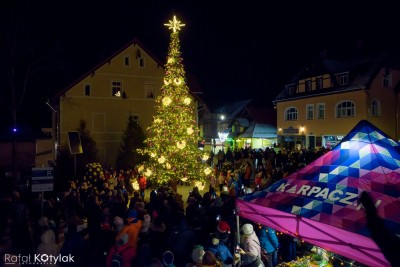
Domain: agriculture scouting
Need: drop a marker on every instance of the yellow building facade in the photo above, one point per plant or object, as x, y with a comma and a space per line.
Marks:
320, 108
126, 84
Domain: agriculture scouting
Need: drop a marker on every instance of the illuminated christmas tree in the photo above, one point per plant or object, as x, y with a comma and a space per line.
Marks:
172, 142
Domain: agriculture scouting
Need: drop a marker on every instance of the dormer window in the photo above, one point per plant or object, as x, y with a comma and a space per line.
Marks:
343, 79
320, 84
308, 85
387, 78
290, 89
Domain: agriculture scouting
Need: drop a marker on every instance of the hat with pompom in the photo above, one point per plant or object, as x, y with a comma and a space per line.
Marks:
223, 227
215, 241
247, 229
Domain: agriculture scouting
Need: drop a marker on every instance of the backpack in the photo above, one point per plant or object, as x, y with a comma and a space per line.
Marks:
117, 260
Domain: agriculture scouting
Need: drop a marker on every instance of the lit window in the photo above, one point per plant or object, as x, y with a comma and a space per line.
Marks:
345, 109
375, 108
291, 114
320, 111
116, 88
150, 90
310, 112
87, 90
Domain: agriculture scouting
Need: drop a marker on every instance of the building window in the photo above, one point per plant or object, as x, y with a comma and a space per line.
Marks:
87, 89
116, 88
141, 62
343, 79
320, 84
345, 109
150, 90
310, 112
387, 79
290, 89
320, 111
291, 114
127, 61
308, 85
375, 108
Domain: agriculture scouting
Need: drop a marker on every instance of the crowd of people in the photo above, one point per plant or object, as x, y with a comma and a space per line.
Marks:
116, 225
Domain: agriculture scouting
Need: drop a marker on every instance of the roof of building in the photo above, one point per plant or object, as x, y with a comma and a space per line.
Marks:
361, 68
259, 130
231, 110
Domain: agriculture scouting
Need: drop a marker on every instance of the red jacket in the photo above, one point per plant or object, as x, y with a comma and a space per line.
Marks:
126, 252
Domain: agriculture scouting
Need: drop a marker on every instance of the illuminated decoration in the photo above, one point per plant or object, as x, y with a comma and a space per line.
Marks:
222, 136
135, 185
174, 24
118, 94
141, 169
207, 171
161, 159
166, 101
181, 144
184, 179
190, 130
148, 172
177, 81
205, 157
173, 134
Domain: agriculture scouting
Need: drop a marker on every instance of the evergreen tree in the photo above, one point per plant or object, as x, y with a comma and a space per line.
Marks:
173, 136
132, 140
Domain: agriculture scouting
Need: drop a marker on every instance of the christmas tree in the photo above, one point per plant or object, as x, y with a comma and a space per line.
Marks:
172, 142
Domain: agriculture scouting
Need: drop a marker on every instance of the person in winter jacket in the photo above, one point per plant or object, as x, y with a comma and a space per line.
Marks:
132, 229
221, 251
123, 248
48, 246
269, 241
249, 240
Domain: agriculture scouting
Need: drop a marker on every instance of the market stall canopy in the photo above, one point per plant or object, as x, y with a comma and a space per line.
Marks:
319, 203
259, 130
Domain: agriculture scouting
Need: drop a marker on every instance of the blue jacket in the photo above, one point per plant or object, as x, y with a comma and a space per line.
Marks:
220, 251
268, 239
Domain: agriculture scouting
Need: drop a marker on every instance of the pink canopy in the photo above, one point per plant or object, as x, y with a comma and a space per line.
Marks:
319, 203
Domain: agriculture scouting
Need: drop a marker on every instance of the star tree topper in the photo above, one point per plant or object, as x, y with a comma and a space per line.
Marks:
174, 24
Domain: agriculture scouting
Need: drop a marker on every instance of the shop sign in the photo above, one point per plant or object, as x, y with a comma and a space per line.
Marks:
290, 130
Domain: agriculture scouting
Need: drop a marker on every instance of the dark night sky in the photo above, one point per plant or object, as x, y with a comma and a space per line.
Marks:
236, 50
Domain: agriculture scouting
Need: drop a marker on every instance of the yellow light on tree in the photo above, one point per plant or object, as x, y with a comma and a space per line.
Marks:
173, 135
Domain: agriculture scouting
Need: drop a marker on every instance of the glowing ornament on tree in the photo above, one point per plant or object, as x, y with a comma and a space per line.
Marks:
141, 169
152, 154
207, 171
171, 60
157, 120
166, 101
166, 82
190, 130
205, 157
168, 166
177, 81
174, 24
161, 160
187, 101
181, 144
148, 172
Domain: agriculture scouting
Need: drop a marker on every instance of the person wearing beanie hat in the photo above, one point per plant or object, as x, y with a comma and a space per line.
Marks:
132, 229
168, 259
249, 240
221, 251
197, 255
223, 232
